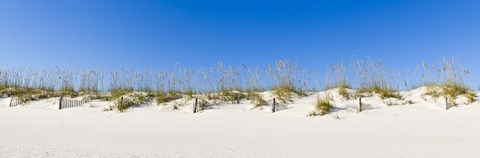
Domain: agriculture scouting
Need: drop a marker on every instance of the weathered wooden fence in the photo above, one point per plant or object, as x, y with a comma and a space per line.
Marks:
14, 102
70, 103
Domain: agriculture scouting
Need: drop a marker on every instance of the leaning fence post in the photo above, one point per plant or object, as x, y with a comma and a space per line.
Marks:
274, 104
195, 104
11, 102
360, 104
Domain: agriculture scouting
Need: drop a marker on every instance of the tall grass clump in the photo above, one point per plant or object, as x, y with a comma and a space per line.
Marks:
373, 77
252, 87
130, 100
67, 81
91, 82
302, 79
282, 81
121, 83
447, 79
337, 73
322, 106
165, 91
253, 78
230, 85
124, 104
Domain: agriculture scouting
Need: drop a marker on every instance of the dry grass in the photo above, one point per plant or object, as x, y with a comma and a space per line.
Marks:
451, 91
322, 106
342, 90
375, 78
282, 80
256, 99
283, 93
133, 99
338, 72
226, 83
122, 106
449, 81
162, 98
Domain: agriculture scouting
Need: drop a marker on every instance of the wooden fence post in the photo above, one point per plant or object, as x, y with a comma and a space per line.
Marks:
360, 104
274, 105
10, 102
446, 103
195, 104
60, 103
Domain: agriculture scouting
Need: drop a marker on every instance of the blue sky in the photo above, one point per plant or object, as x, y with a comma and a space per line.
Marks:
142, 33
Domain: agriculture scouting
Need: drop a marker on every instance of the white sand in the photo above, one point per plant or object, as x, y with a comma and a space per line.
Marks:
424, 129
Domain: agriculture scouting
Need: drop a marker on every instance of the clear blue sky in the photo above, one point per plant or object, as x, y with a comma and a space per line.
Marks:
141, 33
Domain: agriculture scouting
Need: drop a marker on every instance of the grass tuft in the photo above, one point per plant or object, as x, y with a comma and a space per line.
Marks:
162, 98
449, 81
322, 107
256, 99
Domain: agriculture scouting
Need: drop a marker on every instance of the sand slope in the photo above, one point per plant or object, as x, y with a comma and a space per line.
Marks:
424, 129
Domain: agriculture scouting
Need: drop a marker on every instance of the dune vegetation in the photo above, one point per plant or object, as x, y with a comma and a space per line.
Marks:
229, 84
